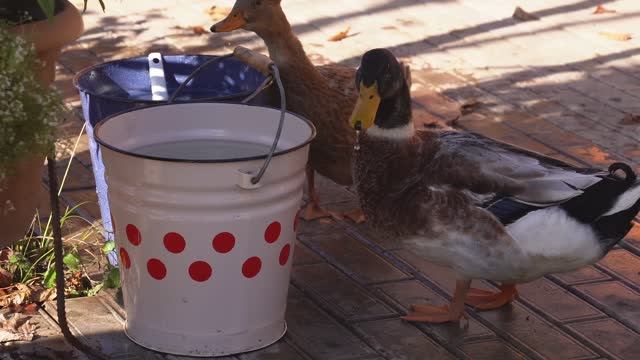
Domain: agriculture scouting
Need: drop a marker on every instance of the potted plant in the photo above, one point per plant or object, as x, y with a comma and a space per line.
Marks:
28, 113
48, 24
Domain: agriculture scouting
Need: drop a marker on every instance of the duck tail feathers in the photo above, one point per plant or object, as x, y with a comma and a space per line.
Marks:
631, 196
630, 175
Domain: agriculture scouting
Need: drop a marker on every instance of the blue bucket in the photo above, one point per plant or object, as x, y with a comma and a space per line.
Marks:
117, 86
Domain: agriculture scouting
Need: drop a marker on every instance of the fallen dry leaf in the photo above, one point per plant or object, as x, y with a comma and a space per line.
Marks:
6, 278
22, 295
18, 328
42, 295
520, 14
600, 9
29, 309
617, 36
341, 35
17, 295
630, 119
5, 253
198, 30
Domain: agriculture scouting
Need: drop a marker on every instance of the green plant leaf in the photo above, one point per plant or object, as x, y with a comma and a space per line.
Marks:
95, 290
13, 259
47, 7
50, 278
109, 246
72, 261
112, 279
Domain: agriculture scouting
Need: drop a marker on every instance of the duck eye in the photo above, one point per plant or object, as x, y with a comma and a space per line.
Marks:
370, 97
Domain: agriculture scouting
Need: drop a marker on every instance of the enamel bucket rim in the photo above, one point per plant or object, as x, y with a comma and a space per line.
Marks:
96, 135
83, 72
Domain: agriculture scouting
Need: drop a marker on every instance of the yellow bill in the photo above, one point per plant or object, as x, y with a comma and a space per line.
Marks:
366, 107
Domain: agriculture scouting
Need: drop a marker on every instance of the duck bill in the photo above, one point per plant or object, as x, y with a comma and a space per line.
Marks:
235, 20
366, 107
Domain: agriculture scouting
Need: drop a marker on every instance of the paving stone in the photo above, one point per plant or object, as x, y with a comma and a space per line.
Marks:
623, 264
583, 275
616, 300
346, 298
93, 321
352, 257
491, 350
407, 342
302, 255
318, 334
611, 337
633, 237
556, 302
278, 351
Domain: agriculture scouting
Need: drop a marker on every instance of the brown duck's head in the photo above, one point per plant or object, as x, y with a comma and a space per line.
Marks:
252, 15
384, 99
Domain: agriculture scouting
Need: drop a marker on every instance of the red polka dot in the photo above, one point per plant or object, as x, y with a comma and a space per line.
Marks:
174, 242
156, 269
224, 242
124, 257
200, 271
251, 267
133, 234
284, 254
273, 232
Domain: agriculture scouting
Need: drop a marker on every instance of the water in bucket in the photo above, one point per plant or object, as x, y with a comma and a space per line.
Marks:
204, 149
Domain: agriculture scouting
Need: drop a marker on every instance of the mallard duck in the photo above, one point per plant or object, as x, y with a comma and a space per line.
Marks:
323, 94
486, 209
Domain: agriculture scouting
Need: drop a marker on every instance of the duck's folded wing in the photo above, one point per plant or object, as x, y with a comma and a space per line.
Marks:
547, 181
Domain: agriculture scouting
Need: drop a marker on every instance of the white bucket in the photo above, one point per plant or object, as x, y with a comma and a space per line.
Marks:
205, 258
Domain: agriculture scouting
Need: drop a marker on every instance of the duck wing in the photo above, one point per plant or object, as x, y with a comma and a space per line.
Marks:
546, 181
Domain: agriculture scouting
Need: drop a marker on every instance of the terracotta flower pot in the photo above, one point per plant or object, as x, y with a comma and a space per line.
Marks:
50, 36
21, 194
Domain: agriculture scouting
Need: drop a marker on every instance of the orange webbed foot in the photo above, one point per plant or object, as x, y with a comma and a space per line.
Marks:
488, 300
313, 211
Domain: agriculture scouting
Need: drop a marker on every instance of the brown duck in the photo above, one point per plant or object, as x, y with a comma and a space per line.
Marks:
488, 210
323, 94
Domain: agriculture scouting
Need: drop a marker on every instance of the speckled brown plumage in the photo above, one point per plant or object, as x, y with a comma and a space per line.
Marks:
410, 187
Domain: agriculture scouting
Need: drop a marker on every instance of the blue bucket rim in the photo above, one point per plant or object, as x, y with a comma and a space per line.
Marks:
96, 131
76, 80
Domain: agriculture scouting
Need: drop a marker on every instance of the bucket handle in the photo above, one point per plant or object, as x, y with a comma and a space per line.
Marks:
267, 67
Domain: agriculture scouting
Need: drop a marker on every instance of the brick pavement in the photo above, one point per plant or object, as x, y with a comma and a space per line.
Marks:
555, 86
